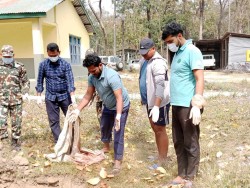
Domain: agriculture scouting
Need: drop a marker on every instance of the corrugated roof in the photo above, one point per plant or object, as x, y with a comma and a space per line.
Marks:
242, 35
22, 9
26, 6
83, 14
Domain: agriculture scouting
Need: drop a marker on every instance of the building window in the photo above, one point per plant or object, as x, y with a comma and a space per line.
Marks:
75, 49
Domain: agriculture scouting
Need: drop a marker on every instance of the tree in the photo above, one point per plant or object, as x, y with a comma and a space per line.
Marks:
99, 19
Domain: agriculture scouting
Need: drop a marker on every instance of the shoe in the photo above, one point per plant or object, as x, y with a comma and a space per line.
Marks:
16, 145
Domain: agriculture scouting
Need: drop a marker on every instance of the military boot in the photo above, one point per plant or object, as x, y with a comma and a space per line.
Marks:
15, 144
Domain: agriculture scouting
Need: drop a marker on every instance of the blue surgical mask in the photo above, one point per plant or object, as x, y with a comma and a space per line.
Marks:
7, 60
54, 59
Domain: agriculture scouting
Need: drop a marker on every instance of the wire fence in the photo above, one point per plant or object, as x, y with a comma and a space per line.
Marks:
238, 67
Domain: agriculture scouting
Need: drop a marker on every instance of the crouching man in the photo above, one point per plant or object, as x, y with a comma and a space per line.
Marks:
108, 85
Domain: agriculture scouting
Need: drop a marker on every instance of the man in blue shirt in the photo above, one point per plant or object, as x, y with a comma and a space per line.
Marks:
114, 96
186, 90
59, 87
154, 90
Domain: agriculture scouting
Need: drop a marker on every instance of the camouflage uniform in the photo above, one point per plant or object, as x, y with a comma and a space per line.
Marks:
13, 83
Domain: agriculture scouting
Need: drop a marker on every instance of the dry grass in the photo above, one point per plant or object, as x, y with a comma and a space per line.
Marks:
225, 128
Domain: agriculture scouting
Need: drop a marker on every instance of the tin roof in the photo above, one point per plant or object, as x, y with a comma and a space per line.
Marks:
10, 9
26, 6
83, 14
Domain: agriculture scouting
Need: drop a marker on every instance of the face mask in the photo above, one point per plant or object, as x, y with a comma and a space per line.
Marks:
54, 59
172, 47
7, 60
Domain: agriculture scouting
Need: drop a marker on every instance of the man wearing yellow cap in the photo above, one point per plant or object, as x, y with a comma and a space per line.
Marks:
14, 88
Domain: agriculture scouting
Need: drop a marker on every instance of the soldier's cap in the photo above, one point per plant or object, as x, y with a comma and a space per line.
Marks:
90, 51
7, 51
145, 45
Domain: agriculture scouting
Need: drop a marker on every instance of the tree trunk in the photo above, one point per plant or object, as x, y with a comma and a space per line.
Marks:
123, 36
202, 4
148, 18
102, 27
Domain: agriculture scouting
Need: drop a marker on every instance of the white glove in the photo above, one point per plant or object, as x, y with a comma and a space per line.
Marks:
117, 122
39, 100
26, 97
195, 114
154, 113
74, 115
73, 99
198, 100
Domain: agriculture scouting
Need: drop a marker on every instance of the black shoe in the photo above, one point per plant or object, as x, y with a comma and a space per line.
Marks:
16, 145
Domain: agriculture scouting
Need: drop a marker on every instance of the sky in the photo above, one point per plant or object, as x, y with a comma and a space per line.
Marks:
106, 5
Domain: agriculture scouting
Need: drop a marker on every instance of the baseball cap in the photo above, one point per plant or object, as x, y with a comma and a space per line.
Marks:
7, 50
145, 45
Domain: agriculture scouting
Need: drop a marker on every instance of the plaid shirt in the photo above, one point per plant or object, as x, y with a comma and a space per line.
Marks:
59, 79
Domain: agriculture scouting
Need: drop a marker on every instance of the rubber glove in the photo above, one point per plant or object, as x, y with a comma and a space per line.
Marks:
74, 115
198, 100
154, 113
117, 122
73, 99
39, 100
195, 114
26, 97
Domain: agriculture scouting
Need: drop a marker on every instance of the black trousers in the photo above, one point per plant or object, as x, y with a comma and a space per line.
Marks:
186, 142
53, 111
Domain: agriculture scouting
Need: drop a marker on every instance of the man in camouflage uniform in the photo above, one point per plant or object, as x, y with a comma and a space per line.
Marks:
13, 83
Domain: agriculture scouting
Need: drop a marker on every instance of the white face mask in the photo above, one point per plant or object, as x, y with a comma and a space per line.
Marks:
54, 59
7, 60
172, 47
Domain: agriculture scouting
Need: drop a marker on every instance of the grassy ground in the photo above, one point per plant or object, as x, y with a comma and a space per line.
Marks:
225, 143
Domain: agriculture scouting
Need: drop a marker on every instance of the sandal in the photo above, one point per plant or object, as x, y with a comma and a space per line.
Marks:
116, 170
188, 184
175, 182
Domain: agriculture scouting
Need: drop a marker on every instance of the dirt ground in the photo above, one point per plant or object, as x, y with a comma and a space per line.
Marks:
28, 168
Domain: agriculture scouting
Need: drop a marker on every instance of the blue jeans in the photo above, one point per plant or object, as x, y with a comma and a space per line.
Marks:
53, 111
107, 124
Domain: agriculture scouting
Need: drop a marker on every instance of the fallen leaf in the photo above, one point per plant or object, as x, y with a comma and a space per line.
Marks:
148, 178
47, 164
210, 144
79, 167
103, 173
219, 154
31, 154
223, 134
36, 164
20, 153
110, 175
88, 169
128, 166
161, 170
103, 185
208, 127
94, 181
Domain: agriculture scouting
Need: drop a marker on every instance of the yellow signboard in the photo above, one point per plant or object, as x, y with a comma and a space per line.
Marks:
248, 55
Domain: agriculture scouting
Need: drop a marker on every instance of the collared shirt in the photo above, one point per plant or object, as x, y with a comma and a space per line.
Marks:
142, 82
59, 79
182, 80
106, 84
